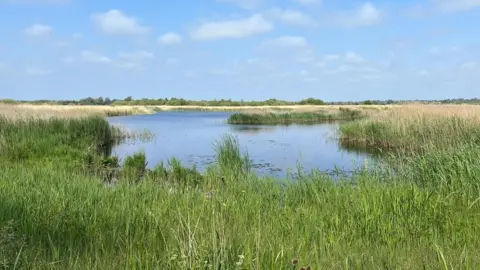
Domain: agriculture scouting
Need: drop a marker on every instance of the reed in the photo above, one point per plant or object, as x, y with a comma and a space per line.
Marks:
416, 128
293, 117
57, 214
16, 111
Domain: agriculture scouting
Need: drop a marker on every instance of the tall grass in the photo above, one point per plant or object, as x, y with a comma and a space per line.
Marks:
53, 138
415, 129
423, 216
15, 111
293, 117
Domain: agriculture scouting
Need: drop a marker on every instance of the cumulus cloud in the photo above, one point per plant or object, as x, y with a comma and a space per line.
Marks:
93, 57
308, 2
416, 11
422, 72
38, 30
37, 1
469, 65
232, 29
365, 15
434, 50
115, 22
246, 4
290, 17
136, 56
285, 42
456, 5
3, 66
170, 38
353, 57
331, 57
34, 71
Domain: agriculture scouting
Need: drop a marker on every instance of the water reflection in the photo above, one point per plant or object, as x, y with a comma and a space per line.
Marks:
275, 150
251, 130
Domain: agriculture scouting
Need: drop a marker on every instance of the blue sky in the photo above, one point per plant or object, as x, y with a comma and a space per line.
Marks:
240, 49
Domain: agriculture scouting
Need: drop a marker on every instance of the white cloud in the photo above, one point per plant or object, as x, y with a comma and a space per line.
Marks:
456, 5
61, 44
303, 72
331, 57
291, 17
469, 65
190, 74
115, 22
222, 72
130, 66
172, 61
352, 57
67, 60
37, 1
308, 2
434, 50
416, 11
77, 36
34, 71
422, 72
365, 15
285, 41
93, 57
38, 30
234, 29
170, 38
246, 4
136, 56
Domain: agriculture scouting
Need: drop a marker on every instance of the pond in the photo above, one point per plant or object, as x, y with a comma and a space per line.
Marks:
274, 150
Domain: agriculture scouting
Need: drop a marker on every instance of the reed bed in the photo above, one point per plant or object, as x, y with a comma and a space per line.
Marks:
68, 111
58, 213
416, 128
284, 108
294, 117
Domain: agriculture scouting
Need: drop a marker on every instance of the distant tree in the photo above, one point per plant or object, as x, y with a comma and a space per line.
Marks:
312, 101
128, 99
7, 101
368, 102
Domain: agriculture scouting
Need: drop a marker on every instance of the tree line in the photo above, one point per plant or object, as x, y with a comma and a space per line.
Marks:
227, 102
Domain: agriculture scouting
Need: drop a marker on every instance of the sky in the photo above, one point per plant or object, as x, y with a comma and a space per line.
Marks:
240, 49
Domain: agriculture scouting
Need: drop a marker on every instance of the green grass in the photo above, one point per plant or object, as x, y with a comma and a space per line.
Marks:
53, 216
412, 133
292, 117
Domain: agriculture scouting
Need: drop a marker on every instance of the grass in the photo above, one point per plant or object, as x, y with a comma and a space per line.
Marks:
416, 128
293, 117
14, 111
57, 212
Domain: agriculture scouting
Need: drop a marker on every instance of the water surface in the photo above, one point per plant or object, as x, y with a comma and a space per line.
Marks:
274, 150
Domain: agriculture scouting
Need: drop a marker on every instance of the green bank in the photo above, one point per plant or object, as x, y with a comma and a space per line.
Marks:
273, 118
64, 205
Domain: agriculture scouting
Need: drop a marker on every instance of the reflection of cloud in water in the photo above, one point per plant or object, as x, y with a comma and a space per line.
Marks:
251, 130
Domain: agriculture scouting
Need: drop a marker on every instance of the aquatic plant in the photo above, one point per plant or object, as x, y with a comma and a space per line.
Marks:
410, 129
293, 117
423, 215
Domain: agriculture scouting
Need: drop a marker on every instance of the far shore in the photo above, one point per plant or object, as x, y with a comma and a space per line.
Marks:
48, 110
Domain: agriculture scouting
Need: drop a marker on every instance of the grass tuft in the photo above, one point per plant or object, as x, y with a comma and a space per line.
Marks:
56, 212
293, 117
